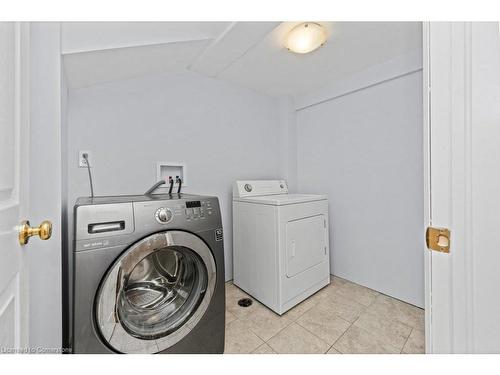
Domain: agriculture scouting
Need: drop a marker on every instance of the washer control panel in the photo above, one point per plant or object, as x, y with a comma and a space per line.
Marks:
197, 210
164, 215
152, 215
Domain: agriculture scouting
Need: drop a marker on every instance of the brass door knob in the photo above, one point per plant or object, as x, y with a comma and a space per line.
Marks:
44, 231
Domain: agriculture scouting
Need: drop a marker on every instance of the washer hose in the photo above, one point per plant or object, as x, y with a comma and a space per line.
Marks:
154, 187
179, 181
171, 182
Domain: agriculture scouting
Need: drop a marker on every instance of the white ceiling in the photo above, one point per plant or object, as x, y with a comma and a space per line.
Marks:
90, 68
90, 36
350, 48
245, 53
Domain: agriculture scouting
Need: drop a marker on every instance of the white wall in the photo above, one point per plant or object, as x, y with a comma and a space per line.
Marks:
288, 141
363, 147
359, 141
222, 132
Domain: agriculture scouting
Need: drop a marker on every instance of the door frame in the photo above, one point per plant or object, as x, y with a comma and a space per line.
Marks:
426, 174
447, 67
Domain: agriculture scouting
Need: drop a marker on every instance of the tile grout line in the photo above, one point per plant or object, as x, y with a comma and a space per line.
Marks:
309, 309
342, 335
335, 315
288, 325
386, 341
403, 348
396, 320
266, 341
379, 294
256, 334
353, 300
312, 333
250, 331
261, 345
378, 338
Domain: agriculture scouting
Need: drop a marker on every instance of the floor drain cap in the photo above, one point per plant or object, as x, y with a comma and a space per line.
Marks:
245, 302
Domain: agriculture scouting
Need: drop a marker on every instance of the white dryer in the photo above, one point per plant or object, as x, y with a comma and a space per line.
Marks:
280, 243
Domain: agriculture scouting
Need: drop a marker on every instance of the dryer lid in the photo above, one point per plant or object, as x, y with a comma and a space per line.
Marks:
282, 199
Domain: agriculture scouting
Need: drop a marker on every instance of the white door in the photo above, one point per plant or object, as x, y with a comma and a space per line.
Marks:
462, 71
14, 122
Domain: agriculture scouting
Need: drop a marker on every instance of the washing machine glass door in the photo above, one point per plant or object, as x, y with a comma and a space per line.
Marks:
155, 293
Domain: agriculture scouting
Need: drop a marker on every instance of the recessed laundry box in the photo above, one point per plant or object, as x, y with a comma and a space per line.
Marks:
281, 250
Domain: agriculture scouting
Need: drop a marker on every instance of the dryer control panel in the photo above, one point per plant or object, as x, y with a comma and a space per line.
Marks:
253, 188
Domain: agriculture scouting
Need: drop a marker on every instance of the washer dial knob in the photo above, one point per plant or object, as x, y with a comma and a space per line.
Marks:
163, 215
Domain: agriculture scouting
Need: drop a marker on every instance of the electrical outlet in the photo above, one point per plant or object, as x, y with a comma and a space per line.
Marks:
82, 163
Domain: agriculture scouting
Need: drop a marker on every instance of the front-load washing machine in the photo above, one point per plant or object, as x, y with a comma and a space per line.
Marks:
147, 275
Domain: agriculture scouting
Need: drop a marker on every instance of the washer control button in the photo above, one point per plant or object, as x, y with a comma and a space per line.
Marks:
163, 215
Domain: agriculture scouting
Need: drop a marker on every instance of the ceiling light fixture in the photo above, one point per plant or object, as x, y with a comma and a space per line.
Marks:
306, 37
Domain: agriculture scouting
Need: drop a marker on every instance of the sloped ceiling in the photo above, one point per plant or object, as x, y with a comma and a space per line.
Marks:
92, 36
250, 54
90, 68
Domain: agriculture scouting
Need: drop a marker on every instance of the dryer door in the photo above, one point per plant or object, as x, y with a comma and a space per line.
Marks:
155, 293
306, 244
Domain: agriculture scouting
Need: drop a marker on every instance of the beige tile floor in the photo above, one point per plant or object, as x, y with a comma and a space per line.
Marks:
342, 318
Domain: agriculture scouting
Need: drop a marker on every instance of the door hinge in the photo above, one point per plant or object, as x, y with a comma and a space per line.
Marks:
438, 239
